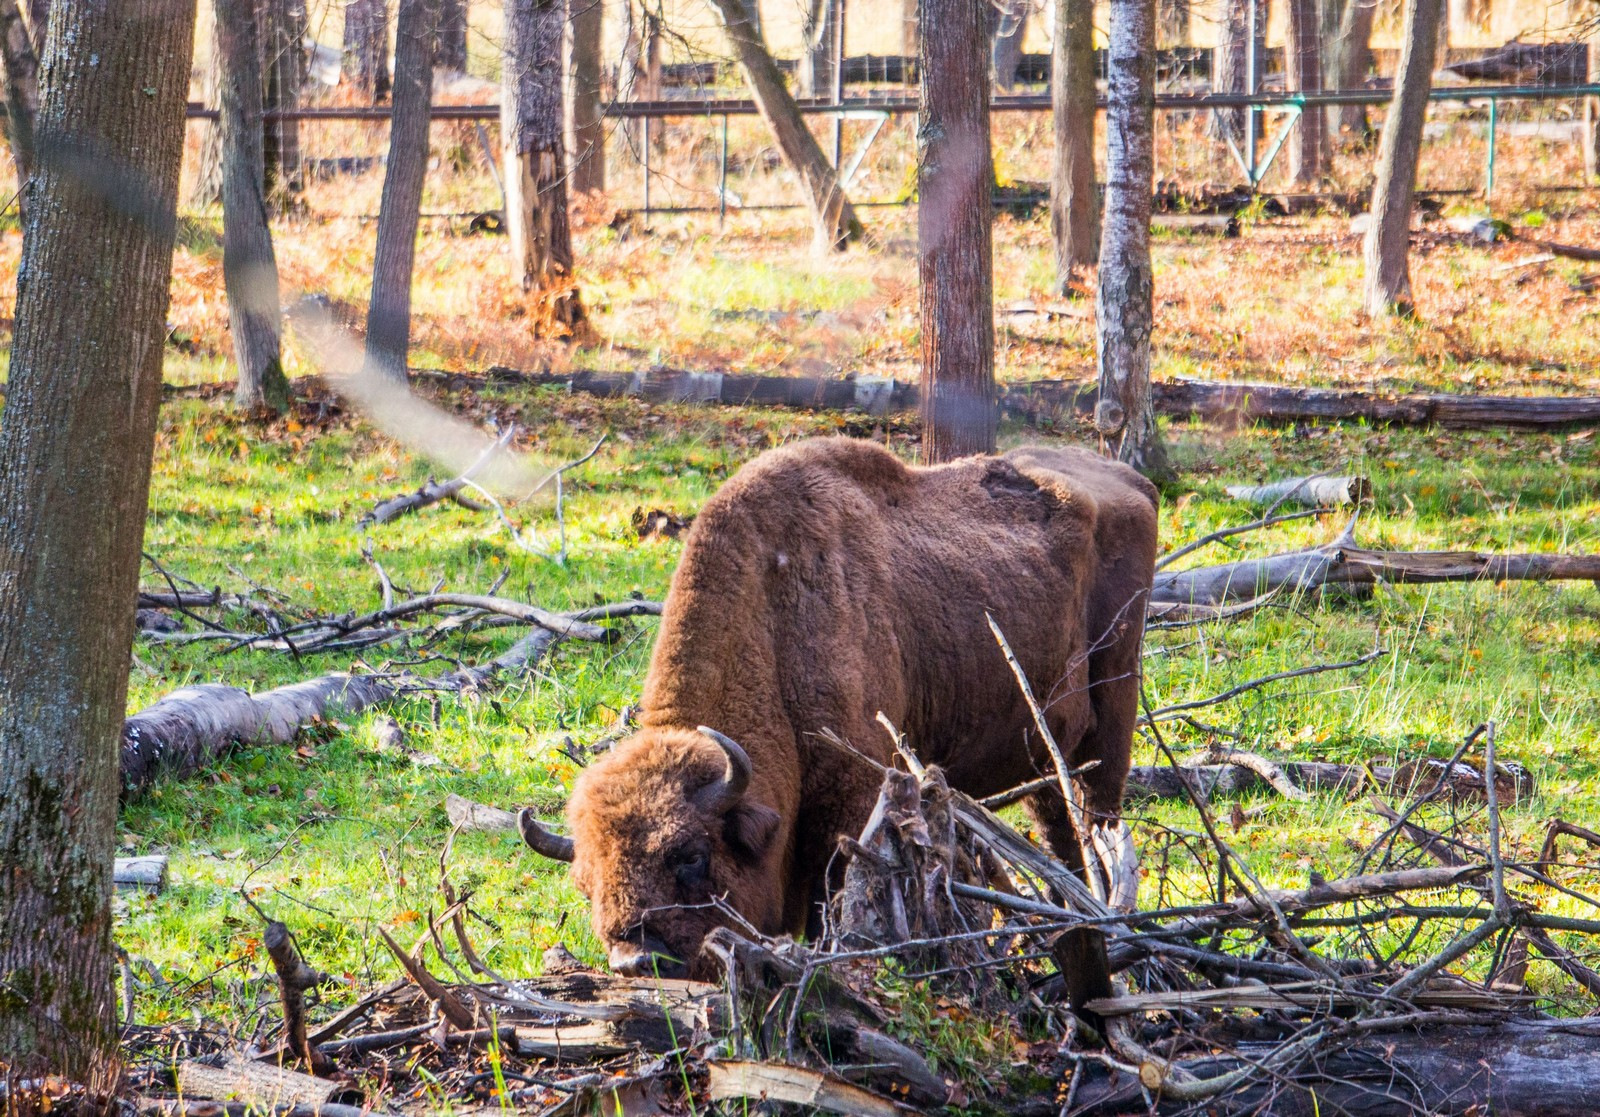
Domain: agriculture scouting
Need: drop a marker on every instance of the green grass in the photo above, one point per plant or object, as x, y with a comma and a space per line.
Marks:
336, 837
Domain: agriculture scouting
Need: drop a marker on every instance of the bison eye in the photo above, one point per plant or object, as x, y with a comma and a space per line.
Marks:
691, 868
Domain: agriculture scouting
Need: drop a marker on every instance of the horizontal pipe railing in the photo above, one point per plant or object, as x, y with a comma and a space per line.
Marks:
1031, 102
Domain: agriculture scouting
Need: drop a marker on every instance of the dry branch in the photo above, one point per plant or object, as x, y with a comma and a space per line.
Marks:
295, 978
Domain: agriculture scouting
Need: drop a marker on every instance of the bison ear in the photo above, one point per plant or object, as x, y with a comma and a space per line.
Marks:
749, 829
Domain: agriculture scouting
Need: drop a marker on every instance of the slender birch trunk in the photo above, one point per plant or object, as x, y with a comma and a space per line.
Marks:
1074, 211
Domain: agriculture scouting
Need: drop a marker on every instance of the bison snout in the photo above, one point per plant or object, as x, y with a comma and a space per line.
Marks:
649, 958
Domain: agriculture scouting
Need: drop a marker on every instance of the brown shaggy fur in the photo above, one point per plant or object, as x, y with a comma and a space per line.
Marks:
828, 581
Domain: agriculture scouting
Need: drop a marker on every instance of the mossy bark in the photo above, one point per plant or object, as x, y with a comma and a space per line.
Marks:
75, 452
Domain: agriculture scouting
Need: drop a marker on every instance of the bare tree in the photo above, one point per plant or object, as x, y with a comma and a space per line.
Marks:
588, 127
908, 28
531, 119
833, 218
389, 310
75, 451
22, 93
1074, 210
366, 46
1309, 155
955, 178
1387, 248
1173, 22
1231, 61
1591, 105
450, 47
1124, 309
250, 271
1009, 20
283, 29
816, 56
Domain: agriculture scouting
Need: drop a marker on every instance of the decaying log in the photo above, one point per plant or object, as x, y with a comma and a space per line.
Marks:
1343, 564
1417, 777
741, 1080
464, 814
1308, 492
1052, 400
231, 1078
1531, 1069
148, 872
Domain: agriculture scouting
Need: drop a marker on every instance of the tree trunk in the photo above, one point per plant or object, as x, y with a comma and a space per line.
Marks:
75, 450
629, 75
1591, 108
955, 177
38, 24
1074, 212
366, 46
1309, 155
816, 54
588, 126
450, 45
833, 218
207, 188
283, 26
389, 311
909, 17
1123, 304
531, 124
1388, 274
1010, 28
1354, 51
22, 93
1231, 63
249, 270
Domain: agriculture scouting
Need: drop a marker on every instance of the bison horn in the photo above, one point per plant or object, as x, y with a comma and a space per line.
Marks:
540, 840
735, 780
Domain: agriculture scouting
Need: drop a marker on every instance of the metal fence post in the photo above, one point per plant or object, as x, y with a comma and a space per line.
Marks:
1488, 164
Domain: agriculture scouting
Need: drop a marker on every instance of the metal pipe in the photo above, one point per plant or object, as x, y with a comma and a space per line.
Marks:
1488, 169
722, 175
1250, 87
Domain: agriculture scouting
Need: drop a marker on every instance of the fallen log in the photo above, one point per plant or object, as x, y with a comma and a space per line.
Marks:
1307, 492
1343, 564
1053, 400
1532, 1069
148, 872
232, 1078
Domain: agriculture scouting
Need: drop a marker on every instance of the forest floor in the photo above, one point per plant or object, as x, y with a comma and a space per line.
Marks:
337, 836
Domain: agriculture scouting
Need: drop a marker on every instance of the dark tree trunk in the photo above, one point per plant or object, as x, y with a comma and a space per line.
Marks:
588, 126
833, 218
283, 28
1231, 62
816, 54
1124, 302
536, 190
249, 270
955, 177
1010, 28
1309, 155
75, 451
366, 46
450, 47
389, 311
1353, 50
1074, 213
1387, 249
22, 93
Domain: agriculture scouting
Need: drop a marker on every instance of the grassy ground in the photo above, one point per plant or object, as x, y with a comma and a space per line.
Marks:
337, 837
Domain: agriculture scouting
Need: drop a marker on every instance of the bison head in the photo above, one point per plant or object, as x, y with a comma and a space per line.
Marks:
661, 829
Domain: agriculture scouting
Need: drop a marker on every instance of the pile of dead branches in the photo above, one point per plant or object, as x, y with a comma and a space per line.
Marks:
1443, 975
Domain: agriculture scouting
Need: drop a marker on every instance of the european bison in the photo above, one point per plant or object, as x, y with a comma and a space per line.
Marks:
828, 581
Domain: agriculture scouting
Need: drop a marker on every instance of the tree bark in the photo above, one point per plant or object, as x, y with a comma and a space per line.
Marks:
1230, 63
833, 218
1074, 211
1124, 302
1591, 107
816, 54
75, 451
1010, 28
450, 45
38, 24
366, 46
1173, 22
1309, 156
531, 124
588, 127
250, 272
909, 17
955, 177
1388, 273
389, 310
282, 26
22, 94
207, 188
1353, 51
